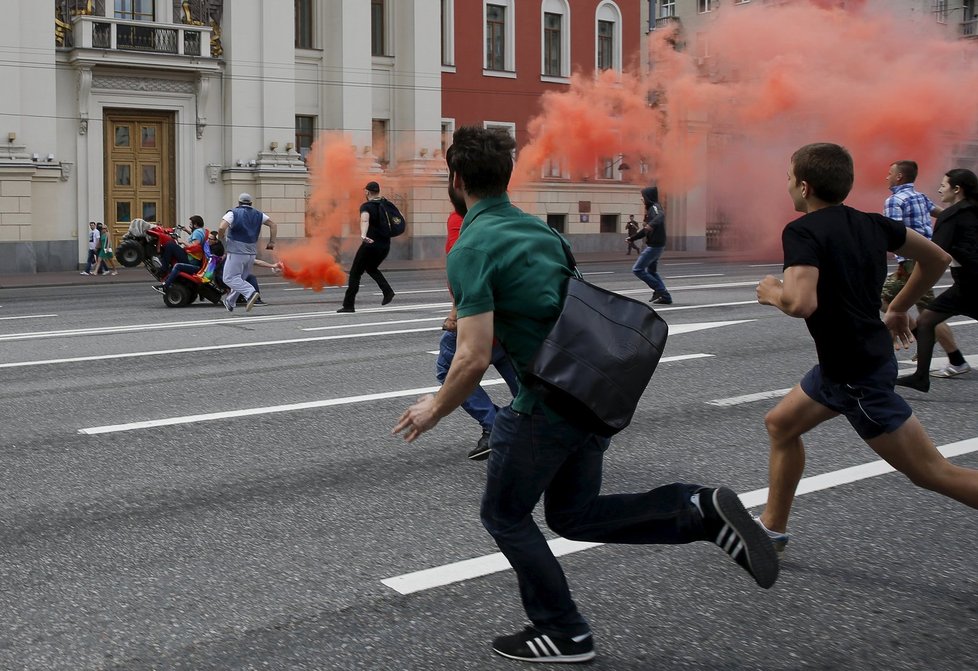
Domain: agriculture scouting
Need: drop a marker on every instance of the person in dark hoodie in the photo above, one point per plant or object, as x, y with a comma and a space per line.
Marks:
654, 232
956, 233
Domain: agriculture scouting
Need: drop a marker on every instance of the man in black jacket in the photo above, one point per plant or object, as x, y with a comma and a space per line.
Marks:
654, 232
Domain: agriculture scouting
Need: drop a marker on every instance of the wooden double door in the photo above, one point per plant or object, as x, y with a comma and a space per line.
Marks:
140, 168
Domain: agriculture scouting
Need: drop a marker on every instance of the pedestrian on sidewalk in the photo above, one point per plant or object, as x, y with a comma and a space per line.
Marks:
93, 242
508, 273
834, 267
631, 228
105, 253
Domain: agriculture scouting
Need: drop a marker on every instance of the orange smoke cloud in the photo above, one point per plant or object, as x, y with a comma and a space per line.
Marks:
337, 181
888, 86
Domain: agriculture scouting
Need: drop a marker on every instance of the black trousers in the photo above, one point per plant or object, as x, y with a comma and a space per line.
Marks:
367, 260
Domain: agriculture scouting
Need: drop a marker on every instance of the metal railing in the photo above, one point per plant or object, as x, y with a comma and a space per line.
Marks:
969, 28
665, 22
97, 32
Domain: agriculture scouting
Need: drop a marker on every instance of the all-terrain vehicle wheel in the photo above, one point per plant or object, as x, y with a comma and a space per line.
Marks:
179, 295
129, 253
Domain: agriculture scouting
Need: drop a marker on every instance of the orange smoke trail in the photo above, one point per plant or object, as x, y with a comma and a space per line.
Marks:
888, 86
337, 186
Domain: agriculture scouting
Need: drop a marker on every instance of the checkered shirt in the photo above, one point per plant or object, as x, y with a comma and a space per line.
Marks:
912, 208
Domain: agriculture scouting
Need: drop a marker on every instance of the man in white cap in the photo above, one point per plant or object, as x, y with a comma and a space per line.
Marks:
240, 229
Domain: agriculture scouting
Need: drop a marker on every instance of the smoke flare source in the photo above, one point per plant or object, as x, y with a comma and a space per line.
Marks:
723, 115
337, 183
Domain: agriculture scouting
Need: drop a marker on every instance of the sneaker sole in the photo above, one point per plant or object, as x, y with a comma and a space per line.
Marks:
251, 302
481, 455
562, 659
747, 536
946, 375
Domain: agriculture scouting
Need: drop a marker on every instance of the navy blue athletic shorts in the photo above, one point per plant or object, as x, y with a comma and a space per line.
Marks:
870, 404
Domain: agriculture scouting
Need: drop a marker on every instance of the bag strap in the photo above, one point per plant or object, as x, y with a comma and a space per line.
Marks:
571, 261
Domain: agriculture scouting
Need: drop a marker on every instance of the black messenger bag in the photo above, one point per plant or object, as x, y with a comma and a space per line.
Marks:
598, 358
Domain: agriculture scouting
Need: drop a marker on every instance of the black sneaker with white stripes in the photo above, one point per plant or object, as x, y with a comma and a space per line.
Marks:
729, 525
531, 645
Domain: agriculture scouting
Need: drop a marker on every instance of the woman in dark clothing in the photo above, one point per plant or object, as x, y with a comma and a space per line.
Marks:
956, 232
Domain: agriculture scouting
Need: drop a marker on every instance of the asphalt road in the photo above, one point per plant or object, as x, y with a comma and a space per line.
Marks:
256, 534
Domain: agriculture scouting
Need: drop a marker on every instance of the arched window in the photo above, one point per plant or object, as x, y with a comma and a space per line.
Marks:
607, 39
555, 39
500, 37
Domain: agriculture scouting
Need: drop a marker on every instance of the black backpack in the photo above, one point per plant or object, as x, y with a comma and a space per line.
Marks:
392, 222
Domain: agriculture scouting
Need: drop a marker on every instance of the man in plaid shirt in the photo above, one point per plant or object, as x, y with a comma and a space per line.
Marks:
914, 210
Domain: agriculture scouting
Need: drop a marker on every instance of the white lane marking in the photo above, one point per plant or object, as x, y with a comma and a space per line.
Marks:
685, 263
963, 322
205, 348
749, 398
226, 320
723, 285
26, 317
676, 329
669, 308
416, 291
308, 289
247, 412
600, 272
468, 569
358, 325
306, 405
689, 277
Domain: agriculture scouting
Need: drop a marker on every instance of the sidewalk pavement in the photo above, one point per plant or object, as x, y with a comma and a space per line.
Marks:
139, 274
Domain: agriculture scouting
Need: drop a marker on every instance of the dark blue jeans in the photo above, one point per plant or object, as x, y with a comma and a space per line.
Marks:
189, 268
533, 457
646, 269
479, 406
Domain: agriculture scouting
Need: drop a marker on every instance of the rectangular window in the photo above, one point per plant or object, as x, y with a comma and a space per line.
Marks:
558, 222
381, 141
610, 223
448, 32
305, 129
553, 169
134, 10
606, 45
303, 24
703, 6
667, 8
447, 131
495, 37
552, 45
378, 32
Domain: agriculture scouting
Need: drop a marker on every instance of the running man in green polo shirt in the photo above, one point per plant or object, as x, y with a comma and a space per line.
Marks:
508, 273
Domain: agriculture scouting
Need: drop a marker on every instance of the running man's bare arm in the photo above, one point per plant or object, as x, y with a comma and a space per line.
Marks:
364, 225
796, 296
472, 356
272, 234
930, 263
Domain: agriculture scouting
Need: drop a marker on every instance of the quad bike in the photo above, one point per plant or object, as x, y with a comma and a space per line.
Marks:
144, 243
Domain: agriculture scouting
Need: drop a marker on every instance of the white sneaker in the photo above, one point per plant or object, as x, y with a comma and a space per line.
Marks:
951, 370
778, 539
